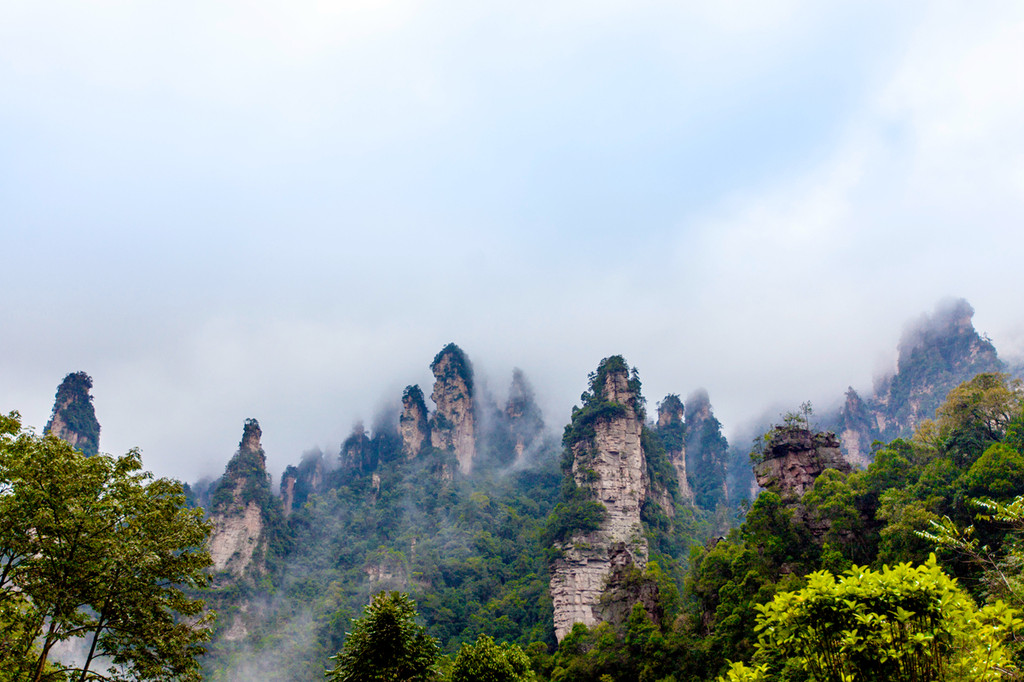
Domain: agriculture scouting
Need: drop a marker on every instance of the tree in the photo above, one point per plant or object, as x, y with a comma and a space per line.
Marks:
487, 661
903, 623
386, 645
92, 548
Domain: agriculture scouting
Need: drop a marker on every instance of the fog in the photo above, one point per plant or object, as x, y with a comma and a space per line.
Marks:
221, 213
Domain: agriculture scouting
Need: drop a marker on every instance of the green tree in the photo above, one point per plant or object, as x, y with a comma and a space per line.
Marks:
92, 548
386, 645
487, 661
903, 623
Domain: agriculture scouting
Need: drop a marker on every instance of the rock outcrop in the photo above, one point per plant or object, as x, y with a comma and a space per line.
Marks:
672, 431
413, 426
453, 425
793, 458
609, 467
524, 416
299, 482
357, 455
74, 418
242, 508
706, 453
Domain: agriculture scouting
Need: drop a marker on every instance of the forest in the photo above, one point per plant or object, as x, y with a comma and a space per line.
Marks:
393, 560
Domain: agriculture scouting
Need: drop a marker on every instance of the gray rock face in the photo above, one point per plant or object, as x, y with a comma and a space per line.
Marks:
672, 429
794, 458
612, 465
936, 353
524, 417
412, 424
238, 542
73, 419
453, 426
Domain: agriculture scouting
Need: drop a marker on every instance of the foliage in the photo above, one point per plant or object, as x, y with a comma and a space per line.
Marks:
486, 661
902, 623
94, 549
386, 644
578, 512
706, 454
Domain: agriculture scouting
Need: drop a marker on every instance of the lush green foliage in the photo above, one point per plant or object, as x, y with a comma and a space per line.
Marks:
94, 549
386, 645
706, 457
468, 550
899, 624
487, 661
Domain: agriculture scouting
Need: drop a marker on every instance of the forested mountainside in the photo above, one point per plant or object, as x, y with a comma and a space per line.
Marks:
629, 549
936, 353
473, 508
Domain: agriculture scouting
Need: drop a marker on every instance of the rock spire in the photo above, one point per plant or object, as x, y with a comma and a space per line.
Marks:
608, 467
242, 507
413, 426
74, 418
453, 425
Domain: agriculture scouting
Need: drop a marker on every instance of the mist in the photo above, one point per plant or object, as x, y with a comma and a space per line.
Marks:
285, 215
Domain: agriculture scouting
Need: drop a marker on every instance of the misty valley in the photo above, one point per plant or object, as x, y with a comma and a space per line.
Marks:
469, 536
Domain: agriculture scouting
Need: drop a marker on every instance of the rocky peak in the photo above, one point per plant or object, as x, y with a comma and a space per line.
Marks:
608, 465
794, 457
251, 434
706, 451
855, 427
524, 416
74, 418
242, 506
672, 431
412, 424
356, 452
453, 426
299, 482
937, 352
670, 412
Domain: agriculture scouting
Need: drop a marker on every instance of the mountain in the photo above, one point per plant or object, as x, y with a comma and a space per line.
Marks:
936, 353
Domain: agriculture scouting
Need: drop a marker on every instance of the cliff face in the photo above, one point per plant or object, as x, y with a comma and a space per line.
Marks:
412, 424
672, 431
356, 453
609, 465
299, 482
794, 457
706, 452
936, 353
453, 426
524, 417
74, 418
242, 506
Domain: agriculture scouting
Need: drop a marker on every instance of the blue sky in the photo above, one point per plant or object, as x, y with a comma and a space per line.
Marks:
283, 210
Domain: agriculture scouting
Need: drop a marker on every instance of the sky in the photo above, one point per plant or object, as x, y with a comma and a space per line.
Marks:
284, 210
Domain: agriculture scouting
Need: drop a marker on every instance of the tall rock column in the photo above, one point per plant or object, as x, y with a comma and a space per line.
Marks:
524, 417
608, 466
453, 426
74, 419
672, 431
412, 424
706, 452
242, 507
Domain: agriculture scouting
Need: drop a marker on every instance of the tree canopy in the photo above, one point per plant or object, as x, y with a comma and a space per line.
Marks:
96, 550
386, 644
902, 623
